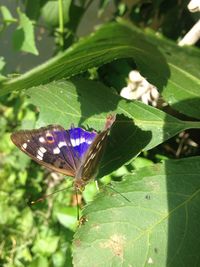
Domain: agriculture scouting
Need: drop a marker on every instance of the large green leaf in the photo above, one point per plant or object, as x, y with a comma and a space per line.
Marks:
174, 70
108, 43
158, 226
182, 90
82, 102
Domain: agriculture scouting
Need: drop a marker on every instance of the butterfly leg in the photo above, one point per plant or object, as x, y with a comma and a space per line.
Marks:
77, 206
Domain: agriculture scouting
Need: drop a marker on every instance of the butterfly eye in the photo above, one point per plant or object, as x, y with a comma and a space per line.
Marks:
50, 138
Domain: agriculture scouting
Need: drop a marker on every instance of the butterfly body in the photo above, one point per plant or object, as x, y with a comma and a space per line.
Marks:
74, 152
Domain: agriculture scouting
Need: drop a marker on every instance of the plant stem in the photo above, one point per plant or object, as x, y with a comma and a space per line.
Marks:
61, 23
192, 124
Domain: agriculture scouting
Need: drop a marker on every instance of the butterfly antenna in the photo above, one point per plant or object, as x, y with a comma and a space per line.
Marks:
118, 193
49, 195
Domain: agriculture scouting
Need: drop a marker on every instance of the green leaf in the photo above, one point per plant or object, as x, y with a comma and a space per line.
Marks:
7, 16
138, 127
90, 192
50, 12
172, 69
8, 214
23, 38
26, 221
23, 254
67, 216
59, 259
158, 226
140, 162
182, 90
5, 145
108, 43
46, 245
39, 262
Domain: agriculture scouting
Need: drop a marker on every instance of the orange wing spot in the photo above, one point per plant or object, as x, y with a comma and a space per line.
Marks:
50, 138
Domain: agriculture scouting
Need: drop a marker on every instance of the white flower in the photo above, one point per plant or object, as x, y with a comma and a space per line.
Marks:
139, 88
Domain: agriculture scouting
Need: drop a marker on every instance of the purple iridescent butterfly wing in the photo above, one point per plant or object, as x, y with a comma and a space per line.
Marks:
49, 146
81, 140
73, 152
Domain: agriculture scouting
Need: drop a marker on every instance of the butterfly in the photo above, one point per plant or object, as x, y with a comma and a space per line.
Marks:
74, 152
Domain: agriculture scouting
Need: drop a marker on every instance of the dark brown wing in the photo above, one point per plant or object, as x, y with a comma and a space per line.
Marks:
91, 161
49, 146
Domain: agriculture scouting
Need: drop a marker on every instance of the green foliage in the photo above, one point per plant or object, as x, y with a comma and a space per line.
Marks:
23, 38
143, 126
182, 89
7, 16
111, 41
50, 12
147, 209
153, 225
170, 70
